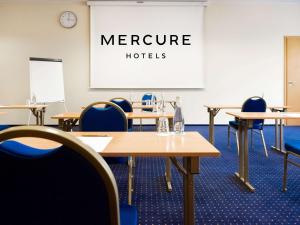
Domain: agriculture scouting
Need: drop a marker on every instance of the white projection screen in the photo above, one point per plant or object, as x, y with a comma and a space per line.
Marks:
146, 45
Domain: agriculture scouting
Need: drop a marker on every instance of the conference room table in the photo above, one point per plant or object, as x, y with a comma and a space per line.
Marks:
38, 110
139, 103
140, 106
67, 120
245, 122
191, 146
213, 110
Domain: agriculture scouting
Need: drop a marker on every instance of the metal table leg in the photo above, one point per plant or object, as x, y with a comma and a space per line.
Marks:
243, 174
281, 142
278, 135
61, 124
168, 174
188, 169
42, 116
212, 113
39, 115
240, 173
36, 114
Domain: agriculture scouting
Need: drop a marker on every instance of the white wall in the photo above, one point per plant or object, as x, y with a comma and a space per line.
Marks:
243, 55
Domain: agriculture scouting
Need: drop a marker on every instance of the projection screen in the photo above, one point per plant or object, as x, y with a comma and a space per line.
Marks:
146, 45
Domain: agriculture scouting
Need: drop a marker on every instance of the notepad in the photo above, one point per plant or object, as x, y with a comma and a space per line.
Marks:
96, 143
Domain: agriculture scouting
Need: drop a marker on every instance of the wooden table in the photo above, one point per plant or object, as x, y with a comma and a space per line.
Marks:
136, 106
140, 106
191, 146
68, 120
245, 122
214, 109
171, 102
37, 110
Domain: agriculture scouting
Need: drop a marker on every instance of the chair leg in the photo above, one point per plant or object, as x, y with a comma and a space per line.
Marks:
141, 127
130, 180
251, 139
285, 172
237, 142
228, 137
263, 141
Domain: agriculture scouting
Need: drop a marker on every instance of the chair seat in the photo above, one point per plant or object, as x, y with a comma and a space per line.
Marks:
128, 215
116, 160
293, 146
18, 149
235, 125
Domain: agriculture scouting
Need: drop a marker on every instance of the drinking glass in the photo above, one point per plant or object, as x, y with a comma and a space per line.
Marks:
163, 125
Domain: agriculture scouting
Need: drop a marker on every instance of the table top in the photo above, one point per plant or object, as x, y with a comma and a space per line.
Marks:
140, 106
67, 115
140, 101
23, 106
148, 115
145, 144
239, 106
1, 113
131, 115
136, 106
265, 115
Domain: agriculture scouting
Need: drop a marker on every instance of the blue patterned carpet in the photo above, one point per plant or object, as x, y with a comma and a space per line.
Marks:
220, 197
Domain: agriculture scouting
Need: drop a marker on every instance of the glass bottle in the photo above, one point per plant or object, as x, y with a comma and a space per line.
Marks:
178, 121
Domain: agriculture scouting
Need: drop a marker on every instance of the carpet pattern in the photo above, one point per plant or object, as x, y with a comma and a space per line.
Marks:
219, 197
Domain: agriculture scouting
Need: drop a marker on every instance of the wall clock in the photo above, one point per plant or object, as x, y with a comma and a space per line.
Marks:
68, 19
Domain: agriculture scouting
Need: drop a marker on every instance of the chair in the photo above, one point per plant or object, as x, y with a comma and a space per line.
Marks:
107, 116
66, 184
126, 106
253, 104
148, 97
3, 127
292, 147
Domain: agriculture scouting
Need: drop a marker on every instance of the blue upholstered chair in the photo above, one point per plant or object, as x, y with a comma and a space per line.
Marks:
253, 104
148, 97
64, 183
126, 106
292, 147
3, 127
107, 116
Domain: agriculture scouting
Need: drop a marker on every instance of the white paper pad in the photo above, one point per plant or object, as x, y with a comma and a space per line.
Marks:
96, 143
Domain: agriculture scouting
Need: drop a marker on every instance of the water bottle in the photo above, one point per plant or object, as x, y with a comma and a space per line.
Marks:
178, 121
162, 106
33, 99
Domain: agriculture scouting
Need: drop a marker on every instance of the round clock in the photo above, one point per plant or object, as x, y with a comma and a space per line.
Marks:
68, 19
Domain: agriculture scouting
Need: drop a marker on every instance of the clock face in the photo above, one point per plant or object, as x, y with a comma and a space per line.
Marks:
68, 19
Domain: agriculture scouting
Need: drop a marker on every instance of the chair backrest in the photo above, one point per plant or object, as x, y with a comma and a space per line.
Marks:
66, 184
255, 104
125, 105
103, 116
148, 97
